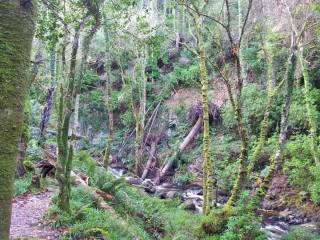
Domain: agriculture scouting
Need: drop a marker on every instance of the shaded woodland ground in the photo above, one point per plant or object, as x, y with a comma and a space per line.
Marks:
149, 119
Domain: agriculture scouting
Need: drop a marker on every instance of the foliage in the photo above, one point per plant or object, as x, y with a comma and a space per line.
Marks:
182, 179
22, 185
86, 221
300, 168
299, 233
158, 217
183, 76
244, 224
226, 150
254, 102
34, 151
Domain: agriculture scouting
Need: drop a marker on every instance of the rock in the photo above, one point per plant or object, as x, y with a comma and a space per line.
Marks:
189, 205
166, 185
133, 181
173, 194
160, 193
295, 221
283, 225
185, 61
148, 185
285, 213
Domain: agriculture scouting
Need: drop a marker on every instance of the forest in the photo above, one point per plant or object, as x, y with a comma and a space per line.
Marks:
160, 119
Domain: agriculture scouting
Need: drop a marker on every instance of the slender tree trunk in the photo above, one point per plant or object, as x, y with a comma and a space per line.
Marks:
208, 179
140, 116
265, 122
83, 67
139, 143
152, 157
192, 134
108, 150
65, 148
311, 108
276, 158
16, 33
46, 115
243, 133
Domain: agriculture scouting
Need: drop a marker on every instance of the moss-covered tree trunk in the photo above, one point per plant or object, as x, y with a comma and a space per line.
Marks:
243, 133
139, 143
16, 33
208, 179
276, 158
311, 107
140, 114
25, 135
65, 149
265, 121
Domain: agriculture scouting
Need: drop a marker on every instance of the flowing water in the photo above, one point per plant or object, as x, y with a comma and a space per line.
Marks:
192, 197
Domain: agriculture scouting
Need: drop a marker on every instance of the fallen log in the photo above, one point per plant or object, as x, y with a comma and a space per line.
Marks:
192, 134
150, 160
183, 146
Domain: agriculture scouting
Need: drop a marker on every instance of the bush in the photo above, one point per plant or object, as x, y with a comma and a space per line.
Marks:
301, 234
86, 221
254, 102
182, 179
300, 168
244, 224
22, 185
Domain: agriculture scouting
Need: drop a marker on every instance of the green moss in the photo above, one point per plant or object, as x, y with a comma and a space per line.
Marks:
16, 33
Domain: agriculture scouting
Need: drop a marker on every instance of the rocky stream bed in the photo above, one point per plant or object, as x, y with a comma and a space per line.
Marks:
276, 222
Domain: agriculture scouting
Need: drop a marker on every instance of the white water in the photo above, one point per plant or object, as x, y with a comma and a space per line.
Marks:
274, 230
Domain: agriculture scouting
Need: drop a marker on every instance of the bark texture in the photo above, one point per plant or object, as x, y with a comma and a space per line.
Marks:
65, 149
16, 33
208, 179
276, 158
311, 107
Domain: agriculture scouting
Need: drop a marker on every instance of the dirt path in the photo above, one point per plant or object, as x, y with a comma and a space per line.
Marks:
27, 216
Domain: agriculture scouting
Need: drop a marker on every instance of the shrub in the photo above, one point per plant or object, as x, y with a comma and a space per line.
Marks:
244, 224
300, 168
254, 101
22, 185
300, 233
85, 221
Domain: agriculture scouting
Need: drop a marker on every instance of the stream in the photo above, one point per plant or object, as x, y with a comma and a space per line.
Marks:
192, 199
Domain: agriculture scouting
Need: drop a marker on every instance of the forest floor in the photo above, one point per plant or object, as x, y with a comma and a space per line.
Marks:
27, 216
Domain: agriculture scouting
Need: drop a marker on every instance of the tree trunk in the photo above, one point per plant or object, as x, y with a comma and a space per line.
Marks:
243, 133
276, 159
183, 146
16, 33
265, 122
65, 149
152, 156
192, 134
46, 115
311, 108
108, 90
140, 115
139, 144
208, 179
25, 135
